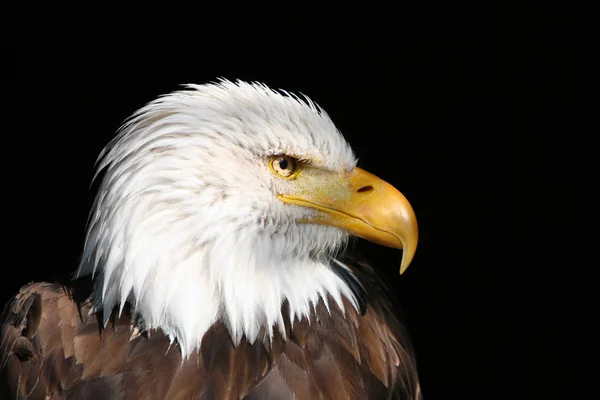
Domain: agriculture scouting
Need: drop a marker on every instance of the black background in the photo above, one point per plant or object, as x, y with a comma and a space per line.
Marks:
477, 132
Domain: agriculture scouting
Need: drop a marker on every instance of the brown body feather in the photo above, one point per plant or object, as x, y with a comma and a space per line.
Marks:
53, 347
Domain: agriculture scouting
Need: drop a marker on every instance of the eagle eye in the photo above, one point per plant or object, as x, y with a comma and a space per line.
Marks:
284, 166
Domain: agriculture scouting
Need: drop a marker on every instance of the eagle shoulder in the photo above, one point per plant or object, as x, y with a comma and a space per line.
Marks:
46, 346
54, 346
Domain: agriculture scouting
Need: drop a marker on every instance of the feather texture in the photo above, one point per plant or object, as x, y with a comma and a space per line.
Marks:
187, 226
54, 348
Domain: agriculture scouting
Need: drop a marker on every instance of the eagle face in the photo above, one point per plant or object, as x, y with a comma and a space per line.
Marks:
222, 201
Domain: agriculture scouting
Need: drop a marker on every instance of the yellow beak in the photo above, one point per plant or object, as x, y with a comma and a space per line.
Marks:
370, 208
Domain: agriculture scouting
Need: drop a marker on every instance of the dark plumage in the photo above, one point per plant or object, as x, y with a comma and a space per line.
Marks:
54, 348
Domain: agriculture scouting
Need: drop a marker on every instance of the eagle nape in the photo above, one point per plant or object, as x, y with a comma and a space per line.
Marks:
214, 265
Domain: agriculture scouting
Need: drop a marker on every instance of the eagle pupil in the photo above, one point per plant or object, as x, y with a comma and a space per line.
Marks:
283, 163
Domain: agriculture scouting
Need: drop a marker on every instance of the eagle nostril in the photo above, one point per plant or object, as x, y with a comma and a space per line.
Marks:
365, 189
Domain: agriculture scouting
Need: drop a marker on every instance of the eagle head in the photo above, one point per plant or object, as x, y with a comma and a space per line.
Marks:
222, 201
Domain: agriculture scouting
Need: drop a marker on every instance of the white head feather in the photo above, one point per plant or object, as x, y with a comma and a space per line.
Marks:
187, 227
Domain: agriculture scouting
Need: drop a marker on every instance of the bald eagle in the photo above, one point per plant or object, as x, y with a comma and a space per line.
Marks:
215, 264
